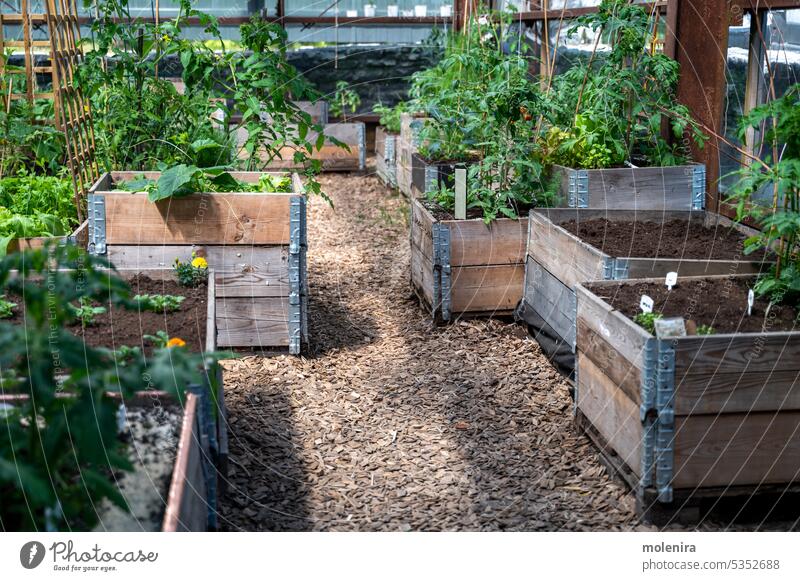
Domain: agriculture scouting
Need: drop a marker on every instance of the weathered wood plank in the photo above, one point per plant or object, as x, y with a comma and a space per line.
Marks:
607, 359
611, 412
422, 275
486, 288
473, 243
627, 337
738, 353
737, 449
240, 219
243, 322
658, 267
237, 259
422, 222
564, 255
266, 283
554, 302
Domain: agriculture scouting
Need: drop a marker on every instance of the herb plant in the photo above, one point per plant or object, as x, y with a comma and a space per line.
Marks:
160, 303
390, 116
647, 321
344, 98
85, 312
58, 454
6, 307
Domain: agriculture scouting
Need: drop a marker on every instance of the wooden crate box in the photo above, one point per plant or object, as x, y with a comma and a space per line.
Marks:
557, 261
464, 267
256, 244
691, 417
79, 237
386, 156
642, 188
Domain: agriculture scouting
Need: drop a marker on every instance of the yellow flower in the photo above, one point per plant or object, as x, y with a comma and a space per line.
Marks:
200, 262
176, 342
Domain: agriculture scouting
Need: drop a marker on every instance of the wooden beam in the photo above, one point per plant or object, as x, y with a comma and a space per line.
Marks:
701, 51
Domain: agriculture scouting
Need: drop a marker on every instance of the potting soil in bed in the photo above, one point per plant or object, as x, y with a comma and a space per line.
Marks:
669, 239
719, 303
152, 435
117, 327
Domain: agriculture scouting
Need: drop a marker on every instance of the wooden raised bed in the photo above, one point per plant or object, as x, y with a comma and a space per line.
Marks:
428, 177
333, 157
79, 237
464, 267
255, 242
557, 261
386, 156
407, 145
643, 188
688, 419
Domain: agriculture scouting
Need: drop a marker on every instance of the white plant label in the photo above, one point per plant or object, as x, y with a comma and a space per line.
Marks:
646, 304
751, 299
671, 280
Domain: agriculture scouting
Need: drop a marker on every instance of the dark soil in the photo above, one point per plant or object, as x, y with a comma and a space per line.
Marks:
441, 213
670, 239
720, 303
117, 327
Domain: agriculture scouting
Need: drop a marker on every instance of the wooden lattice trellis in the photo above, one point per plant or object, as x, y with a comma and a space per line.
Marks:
58, 24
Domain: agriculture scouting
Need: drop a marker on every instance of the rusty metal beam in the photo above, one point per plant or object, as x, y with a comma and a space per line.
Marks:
701, 51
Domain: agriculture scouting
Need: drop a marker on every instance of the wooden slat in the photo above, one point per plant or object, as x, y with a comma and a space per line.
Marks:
486, 288
259, 260
422, 276
564, 255
658, 267
607, 359
422, 229
473, 243
552, 301
734, 354
627, 337
244, 218
737, 449
243, 322
611, 412
271, 282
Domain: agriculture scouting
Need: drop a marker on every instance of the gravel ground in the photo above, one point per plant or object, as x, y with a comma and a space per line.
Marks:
393, 424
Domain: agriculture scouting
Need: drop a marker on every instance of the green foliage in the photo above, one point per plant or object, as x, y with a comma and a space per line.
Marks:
160, 303
344, 98
6, 307
183, 180
610, 111
85, 312
647, 321
390, 116
778, 176
28, 139
143, 122
58, 455
192, 273
705, 330
159, 340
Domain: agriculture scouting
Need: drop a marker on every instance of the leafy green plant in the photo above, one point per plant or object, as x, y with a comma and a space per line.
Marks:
85, 312
160, 339
192, 273
27, 141
344, 98
647, 321
59, 448
6, 307
609, 111
777, 176
390, 116
705, 330
160, 303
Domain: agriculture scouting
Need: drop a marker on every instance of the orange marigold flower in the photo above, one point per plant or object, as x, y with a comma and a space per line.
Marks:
176, 342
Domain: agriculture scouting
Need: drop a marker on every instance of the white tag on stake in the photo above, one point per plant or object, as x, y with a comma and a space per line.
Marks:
751, 299
646, 304
671, 280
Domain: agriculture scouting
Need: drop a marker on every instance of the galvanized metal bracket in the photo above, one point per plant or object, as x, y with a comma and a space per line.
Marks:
608, 268
362, 147
665, 419
296, 283
621, 269
698, 187
96, 205
441, 274
431, 178
647, 410
209, 448
389, 153
578, 189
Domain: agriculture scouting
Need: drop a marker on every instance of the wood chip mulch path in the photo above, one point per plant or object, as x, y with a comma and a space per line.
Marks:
392, 424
